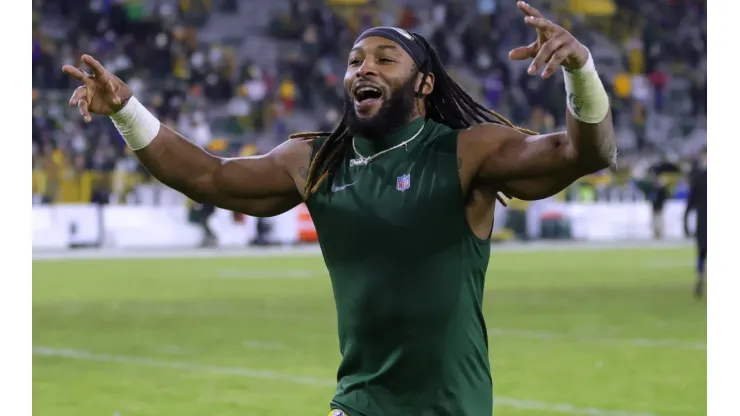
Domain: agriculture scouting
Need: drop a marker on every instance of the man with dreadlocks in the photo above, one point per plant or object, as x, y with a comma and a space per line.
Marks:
402, 194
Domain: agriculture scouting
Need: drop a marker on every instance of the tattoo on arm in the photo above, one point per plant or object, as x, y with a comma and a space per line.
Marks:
303, 172
575, 104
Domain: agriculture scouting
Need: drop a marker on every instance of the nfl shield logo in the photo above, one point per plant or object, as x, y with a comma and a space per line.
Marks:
403, 182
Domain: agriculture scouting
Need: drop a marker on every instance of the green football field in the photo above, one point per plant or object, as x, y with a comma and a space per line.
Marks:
580, 332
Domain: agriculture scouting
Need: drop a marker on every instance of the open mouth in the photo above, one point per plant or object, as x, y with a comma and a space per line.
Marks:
366, 94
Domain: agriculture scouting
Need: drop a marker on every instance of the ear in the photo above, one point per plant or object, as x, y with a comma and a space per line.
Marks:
428, 86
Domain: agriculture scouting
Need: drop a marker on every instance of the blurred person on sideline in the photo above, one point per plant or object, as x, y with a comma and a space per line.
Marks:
697, 202
658, 198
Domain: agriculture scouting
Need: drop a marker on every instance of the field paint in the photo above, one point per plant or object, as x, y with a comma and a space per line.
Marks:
177, 365
563, 408
311, 381
314, 250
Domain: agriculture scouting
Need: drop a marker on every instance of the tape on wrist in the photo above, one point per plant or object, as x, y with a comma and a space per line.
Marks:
136, 124
587, 99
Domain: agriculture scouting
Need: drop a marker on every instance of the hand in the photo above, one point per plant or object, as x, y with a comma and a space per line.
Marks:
554, 46
101, 92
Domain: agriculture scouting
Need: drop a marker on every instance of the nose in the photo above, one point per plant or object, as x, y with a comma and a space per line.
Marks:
367, 68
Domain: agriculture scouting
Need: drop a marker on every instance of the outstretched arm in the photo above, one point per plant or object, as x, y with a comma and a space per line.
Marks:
531, 167
261, 185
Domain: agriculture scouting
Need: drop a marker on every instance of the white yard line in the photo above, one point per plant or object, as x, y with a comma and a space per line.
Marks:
276, 376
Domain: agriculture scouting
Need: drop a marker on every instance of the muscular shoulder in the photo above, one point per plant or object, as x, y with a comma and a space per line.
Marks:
294, 156
479, 143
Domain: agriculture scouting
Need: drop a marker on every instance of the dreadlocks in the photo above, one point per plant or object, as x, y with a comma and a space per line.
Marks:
448, 104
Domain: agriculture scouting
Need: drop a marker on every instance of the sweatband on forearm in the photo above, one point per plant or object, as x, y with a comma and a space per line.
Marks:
587, 99
136, 124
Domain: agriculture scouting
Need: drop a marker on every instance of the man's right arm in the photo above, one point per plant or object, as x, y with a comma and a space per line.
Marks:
264, 185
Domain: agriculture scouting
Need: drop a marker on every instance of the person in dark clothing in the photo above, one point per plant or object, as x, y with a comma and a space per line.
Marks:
658, 198
660, 192
697, 201
199, 215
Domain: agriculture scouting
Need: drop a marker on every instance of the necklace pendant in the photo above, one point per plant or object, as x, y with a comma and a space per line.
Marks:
358, 162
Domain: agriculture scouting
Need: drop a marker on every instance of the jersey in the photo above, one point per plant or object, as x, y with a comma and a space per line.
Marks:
407, 274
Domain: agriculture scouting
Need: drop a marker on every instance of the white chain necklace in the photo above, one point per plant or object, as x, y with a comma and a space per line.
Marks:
363, 161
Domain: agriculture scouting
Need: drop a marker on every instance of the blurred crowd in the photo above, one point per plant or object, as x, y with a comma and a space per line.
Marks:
234, 100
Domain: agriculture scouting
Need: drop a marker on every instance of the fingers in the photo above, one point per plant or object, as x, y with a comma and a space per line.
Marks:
79, 94
531, 12
547, 50
542, 24
75, 73
103, 76
79, 98
528, 10
556, 60
523, 52
97, 68
82, 106
110, 86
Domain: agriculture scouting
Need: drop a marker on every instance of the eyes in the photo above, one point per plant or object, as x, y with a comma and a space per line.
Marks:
382, 60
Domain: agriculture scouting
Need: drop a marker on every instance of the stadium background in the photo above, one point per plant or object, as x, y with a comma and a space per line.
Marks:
237, 77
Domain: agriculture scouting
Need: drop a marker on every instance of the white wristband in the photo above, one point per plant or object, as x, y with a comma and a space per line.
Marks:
136, 124
587, 99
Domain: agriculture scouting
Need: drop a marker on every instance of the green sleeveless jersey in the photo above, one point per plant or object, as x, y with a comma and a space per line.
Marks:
407, 274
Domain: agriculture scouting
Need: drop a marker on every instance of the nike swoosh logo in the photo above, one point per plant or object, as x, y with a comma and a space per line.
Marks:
337, 188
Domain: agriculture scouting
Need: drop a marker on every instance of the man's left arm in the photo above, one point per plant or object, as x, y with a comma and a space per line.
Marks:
531, 167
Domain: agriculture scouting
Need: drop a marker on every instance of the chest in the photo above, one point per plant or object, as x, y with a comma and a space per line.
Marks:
399, 198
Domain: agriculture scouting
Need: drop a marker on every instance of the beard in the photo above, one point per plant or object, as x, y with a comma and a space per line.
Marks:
392, 114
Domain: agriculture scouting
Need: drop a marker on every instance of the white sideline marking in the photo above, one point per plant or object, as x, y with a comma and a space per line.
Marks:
272, 375
315, 250
177, 365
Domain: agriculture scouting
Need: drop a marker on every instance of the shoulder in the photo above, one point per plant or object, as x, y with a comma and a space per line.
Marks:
490, 133
293, 150
441, 138
293, 156
480, 141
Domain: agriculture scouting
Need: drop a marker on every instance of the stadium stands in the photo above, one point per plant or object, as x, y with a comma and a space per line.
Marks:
238, 76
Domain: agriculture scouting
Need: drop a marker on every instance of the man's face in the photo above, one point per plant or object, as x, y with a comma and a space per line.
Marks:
379, 85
